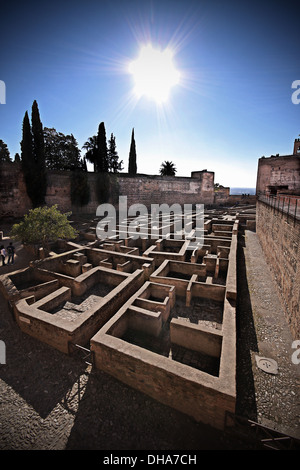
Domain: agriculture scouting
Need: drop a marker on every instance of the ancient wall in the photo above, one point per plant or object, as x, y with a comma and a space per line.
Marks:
147, 190
280, 173
143, 189
14, 201
279, 235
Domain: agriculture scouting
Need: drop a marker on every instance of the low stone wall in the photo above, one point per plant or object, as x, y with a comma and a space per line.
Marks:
33, 317
279, 235
204, 396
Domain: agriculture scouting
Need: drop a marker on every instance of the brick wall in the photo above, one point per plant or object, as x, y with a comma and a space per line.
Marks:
282, 172
279, 235
14, 201
143, 189
148, 190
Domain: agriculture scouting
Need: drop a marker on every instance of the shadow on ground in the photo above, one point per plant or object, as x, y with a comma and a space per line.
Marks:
246, 340
41, 375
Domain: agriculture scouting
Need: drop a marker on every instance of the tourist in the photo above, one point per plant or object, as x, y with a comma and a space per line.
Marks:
3, 254
11, 253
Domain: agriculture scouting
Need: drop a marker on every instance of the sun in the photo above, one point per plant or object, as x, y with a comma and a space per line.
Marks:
154, 73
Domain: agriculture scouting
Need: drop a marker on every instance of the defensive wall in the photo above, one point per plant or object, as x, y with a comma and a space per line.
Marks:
278, 230
142, 189
278, 174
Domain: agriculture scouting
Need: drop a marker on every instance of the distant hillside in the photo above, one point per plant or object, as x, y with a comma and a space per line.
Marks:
236, 191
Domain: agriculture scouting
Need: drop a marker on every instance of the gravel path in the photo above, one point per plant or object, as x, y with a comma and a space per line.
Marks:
272, 400
52, 401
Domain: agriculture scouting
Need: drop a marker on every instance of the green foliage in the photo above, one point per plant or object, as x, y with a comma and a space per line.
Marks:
4, 152
91, 150
132, 168
167, 169
33, 157
218, 186
39, 170
104, 158
61, 151
102, 155
43, 225
80, 190
113, 158
97, 152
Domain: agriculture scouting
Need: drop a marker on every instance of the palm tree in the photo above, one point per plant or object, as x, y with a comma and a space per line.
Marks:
91, 148
167, 169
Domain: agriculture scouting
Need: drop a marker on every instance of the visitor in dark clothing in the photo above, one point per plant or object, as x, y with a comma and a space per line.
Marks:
11, 253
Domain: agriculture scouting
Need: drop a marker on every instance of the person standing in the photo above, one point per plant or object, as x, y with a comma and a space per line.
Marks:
11, 253
3, 254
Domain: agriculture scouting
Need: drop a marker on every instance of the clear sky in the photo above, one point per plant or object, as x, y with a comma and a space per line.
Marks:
237, 61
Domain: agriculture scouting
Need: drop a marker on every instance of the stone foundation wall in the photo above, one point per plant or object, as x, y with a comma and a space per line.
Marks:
279, 235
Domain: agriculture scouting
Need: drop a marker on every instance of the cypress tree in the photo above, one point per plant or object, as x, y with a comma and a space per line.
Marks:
39, 170
132, 168
102, 154
113, 158
27, 155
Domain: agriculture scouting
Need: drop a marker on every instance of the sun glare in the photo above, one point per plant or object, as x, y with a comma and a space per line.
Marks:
154, 73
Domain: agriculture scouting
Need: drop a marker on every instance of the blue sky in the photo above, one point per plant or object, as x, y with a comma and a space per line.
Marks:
237, 61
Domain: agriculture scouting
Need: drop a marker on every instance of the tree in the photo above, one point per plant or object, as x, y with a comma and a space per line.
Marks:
113, 158
91, 151
61, 151
167, 169
132, 168
39, 175
102, 153
84, 165
4, 152
97, 152
17, 158
42, 226
27, 155
33, 157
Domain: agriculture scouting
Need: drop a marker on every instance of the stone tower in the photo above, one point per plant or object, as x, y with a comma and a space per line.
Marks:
296, 147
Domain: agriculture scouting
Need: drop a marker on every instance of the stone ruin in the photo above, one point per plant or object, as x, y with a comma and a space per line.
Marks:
159, 315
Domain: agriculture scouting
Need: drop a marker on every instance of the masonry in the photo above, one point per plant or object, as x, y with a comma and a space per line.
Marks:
278, 174
144, 189
279, 235
159, 315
